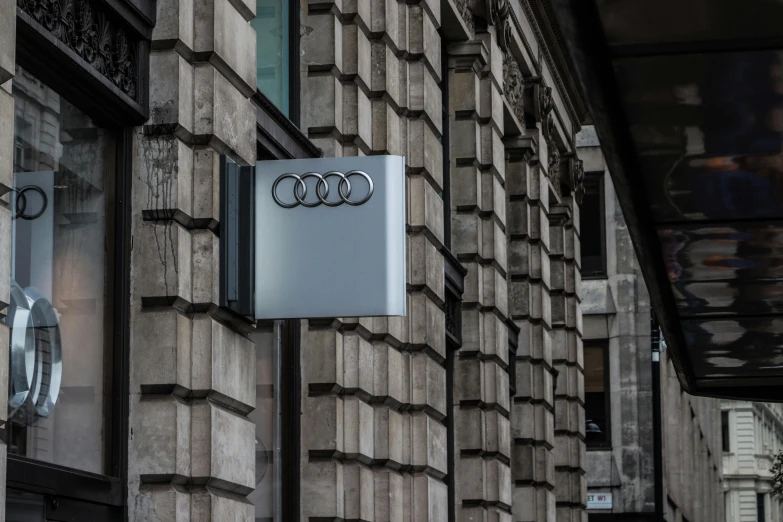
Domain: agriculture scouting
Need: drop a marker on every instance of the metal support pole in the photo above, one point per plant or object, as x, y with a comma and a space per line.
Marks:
655, 336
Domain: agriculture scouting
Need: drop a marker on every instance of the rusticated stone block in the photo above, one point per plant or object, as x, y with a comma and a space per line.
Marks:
224, 38
205, 272
327, 43
498, 482
223, 117
357, 364
174, 26
161, 351
429, 499
426, 152
389, 496
428, 384
221, 444
160, 450
389, 435
495, 385
323, 368
171, 95
424, 37
498, 433
425, 209
7, 45
425, 95
428, 325
223, 364
359, 496
426, 267
209, 504
160, 503
387, 372
358, 425
471, 434
322, 429
429, 444
323, 489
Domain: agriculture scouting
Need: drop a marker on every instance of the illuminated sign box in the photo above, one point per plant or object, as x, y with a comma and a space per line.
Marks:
330, 237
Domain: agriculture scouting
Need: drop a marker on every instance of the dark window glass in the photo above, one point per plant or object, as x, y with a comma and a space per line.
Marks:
60, 308
272, 56
592, 231
724, 424
596, 395
760, 507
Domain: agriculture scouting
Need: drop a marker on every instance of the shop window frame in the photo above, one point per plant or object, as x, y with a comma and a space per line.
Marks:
68, 491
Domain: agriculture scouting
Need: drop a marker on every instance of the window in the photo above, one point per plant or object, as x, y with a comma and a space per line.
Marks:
592, 231
597, 395
724, 424
61, 310
273, 51
760, 507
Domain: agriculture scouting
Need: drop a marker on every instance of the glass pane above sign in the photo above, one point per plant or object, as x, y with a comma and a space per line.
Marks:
330, 237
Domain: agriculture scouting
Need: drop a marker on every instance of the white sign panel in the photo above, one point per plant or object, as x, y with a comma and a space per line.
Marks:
599, 501
330, 237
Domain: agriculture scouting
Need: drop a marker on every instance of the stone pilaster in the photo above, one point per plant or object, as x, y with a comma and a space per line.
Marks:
374, 389
533, 468
192, 382
478, 179
568, 360
7, 69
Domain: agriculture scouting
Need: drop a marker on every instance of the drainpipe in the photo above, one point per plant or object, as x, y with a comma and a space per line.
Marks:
657, 347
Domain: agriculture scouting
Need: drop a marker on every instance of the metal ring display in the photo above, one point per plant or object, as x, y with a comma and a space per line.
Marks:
303, 185
277, 182
35, 343
370, 188
344, 189
21, 194
22, 349
46, 389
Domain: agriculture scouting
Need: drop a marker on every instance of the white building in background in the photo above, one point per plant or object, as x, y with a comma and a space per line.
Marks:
752, 436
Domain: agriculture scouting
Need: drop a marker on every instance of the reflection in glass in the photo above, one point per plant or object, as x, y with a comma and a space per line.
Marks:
272, 57
58, 312
266, 416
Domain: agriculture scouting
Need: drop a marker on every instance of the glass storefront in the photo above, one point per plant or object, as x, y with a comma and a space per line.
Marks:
272, 55
60, 303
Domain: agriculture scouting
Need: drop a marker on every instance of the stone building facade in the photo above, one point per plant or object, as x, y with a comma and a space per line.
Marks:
752, 436
469, 408
619, 387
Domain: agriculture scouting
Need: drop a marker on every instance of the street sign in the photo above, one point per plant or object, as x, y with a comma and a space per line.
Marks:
599, 501
330, 237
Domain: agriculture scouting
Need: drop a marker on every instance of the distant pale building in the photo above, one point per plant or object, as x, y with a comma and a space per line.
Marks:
752, 435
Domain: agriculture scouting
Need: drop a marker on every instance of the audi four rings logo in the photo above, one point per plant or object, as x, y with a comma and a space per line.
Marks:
322, 189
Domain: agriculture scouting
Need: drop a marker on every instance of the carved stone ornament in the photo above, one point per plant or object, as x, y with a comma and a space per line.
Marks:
465, 10
497, 13
554, 165
513, 85
577, 180
544, 101
83, 26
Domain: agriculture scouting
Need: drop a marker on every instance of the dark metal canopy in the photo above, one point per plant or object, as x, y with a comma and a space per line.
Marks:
687, 100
